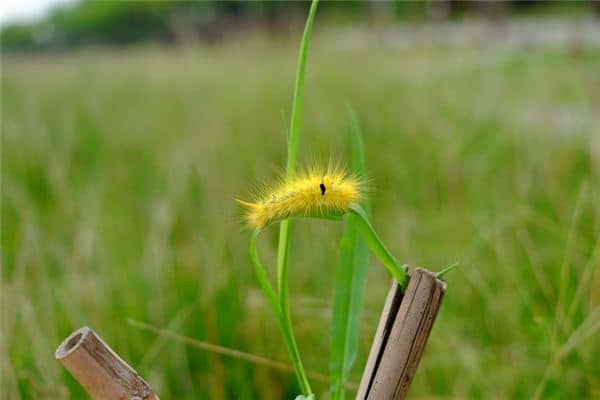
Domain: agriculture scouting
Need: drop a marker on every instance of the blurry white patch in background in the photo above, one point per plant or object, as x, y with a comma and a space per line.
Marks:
15, 11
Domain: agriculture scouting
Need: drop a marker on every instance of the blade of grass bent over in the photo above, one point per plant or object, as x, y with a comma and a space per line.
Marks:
377, 247
350, 283
284, 228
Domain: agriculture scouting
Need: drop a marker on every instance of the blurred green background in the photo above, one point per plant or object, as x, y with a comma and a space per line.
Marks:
121, 159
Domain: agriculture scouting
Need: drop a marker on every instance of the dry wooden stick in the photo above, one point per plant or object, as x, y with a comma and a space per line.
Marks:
402, 333
102, 373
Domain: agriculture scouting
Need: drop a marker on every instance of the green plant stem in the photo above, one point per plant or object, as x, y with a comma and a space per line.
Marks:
377, 247
284, 317
280, 316
284, 229
443, 272
350, 281
261, 274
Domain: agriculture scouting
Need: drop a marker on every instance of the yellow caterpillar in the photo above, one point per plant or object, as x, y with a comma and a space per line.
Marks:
314, 191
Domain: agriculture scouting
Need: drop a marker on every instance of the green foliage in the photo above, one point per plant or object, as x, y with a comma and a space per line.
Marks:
117, 22
113, 22
95, 22
114, 176
18, 36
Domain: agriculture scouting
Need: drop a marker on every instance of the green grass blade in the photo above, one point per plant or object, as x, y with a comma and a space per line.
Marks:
361, 253
298, 104
284, 229
350, 283
261, 275
271, 295
444, 271
377, 247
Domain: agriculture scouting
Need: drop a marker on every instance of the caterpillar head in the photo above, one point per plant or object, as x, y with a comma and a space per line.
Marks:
325, 184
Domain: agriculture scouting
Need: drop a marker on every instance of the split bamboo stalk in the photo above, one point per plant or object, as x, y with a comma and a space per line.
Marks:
102, 373
402, 333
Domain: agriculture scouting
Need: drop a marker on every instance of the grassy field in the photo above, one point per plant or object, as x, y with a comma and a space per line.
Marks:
119, 170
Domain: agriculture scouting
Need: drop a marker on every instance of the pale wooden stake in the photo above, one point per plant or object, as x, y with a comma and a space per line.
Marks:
402, 333
102, 373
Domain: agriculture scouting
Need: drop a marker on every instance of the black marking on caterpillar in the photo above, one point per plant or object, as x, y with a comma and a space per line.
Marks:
322, 187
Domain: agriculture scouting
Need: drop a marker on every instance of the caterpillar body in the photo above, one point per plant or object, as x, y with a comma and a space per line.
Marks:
312, 192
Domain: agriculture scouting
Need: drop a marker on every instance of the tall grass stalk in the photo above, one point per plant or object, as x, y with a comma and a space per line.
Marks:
284, 228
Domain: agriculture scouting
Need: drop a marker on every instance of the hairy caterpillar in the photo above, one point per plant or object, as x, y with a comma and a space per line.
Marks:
312, 192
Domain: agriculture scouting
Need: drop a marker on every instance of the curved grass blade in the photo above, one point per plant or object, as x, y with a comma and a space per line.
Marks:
261, 274
377, 247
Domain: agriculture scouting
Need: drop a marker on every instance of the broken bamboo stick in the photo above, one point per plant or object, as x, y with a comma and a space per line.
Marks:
402, 333
102, 373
